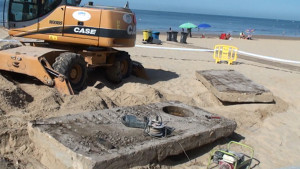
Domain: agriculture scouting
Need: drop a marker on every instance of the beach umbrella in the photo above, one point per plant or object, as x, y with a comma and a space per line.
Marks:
187, 25
249, 30
204, 25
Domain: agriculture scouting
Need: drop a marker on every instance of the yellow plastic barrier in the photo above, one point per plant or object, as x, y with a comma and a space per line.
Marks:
225, 53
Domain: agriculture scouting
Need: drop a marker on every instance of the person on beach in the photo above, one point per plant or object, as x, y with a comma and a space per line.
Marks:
228, 36
189, 31
242, 35
249, 37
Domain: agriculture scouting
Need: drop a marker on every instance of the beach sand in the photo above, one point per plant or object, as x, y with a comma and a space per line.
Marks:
272, 129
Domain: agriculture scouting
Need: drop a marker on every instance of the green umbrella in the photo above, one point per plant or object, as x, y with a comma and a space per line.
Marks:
187, 25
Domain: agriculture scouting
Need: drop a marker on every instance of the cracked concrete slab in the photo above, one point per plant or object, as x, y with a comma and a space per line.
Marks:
99, 140
232, 86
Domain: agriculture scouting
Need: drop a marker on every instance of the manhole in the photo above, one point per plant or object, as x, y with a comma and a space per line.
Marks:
177, 111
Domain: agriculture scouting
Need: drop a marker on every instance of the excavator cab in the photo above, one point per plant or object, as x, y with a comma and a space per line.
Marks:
17, 11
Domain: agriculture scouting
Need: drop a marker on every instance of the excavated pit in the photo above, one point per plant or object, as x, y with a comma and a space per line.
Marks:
177, 111
100, 140
232, 87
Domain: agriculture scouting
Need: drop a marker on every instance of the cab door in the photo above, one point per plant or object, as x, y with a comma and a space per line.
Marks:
51, 18
23, 16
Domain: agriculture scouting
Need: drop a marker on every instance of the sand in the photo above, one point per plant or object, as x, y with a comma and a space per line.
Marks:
272, 129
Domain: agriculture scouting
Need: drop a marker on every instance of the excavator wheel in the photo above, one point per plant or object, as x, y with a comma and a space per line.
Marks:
125, 63
74, 67
121, 68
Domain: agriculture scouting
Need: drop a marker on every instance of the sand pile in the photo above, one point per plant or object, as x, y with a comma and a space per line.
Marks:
12, 97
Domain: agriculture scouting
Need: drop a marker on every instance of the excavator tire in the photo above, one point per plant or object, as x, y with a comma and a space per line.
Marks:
121, 68
126, 64
74, 67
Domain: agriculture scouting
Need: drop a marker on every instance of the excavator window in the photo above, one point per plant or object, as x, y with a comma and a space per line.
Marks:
48, 5
23, 10
73, 2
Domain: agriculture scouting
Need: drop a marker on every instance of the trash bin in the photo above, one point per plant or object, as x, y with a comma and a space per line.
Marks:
149, 33
155, 35
183, 37
174, 36
169, 36
146, 34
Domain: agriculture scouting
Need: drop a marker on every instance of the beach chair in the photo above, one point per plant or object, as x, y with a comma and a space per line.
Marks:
223, 36
225, 53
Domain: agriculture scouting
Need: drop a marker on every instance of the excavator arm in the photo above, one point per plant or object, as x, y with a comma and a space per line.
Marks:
32, 62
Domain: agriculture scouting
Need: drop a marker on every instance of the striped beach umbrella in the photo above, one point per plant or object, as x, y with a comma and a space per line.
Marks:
249, 30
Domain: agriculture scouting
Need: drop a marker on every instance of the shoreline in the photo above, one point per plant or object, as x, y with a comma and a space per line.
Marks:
210, 35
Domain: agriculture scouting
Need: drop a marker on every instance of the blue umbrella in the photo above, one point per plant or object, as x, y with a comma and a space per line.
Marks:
204, 25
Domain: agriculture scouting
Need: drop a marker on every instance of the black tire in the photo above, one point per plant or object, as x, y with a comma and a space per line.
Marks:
74, 67
121, 68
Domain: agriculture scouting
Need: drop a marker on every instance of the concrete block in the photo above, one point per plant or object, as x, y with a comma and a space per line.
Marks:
231, 86
99, 140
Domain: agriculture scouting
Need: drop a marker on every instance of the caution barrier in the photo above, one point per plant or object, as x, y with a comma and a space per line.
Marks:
225, 53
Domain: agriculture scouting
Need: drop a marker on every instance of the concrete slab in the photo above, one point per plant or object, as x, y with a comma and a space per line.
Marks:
231, 86
99, 140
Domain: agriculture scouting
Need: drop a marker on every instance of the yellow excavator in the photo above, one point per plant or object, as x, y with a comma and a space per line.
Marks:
74, 38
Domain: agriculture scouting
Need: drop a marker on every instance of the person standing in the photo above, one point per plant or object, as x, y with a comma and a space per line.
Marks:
189, 31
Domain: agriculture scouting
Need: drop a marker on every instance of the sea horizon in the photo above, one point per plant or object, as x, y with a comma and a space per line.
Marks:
163, 20
215, 15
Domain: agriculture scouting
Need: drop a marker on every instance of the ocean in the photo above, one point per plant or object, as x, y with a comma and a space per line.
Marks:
162, 21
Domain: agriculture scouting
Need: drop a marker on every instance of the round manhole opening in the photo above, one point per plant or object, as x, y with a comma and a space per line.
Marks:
177, 111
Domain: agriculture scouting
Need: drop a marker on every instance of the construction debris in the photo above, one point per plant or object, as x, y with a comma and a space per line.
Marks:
231, 86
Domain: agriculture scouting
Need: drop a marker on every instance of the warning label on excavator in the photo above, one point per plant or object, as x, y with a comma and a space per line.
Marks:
52, 37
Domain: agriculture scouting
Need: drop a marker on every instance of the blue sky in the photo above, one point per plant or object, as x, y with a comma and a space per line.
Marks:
274, 9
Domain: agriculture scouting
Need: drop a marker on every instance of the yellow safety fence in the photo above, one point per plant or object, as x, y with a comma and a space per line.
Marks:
225, 53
